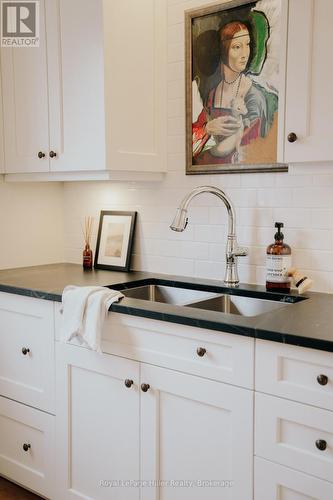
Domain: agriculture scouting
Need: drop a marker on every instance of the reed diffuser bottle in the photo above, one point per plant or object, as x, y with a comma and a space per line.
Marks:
278, 261
87, 252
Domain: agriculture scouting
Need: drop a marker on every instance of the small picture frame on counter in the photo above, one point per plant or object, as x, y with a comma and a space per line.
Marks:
115, 240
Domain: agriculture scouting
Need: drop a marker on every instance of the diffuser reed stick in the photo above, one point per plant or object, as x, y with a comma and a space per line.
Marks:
87, 252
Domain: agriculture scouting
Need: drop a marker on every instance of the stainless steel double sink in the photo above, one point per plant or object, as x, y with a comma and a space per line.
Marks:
239, 302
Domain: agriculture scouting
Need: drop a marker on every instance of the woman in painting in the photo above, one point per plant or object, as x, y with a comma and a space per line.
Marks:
236, 110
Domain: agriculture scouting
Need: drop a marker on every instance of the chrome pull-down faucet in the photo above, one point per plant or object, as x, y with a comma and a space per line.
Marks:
232, 250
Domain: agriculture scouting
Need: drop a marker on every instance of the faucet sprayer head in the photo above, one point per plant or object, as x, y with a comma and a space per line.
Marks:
180, 221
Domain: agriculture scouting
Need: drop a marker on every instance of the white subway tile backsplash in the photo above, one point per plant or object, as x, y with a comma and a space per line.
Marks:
315, 197
255, 217
211, 234
255, 180
301, 198
176, 125
314, 261
176, 89
175, 71
176, 52
274, 197
209, 269
176, 143
176, 161
176, 108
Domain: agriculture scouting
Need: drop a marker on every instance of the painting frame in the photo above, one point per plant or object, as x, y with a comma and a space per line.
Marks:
115, 240
224, 168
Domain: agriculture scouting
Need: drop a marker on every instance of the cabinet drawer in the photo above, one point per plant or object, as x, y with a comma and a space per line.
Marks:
288, 433
27, 362
226, 357
19, 426
275, 482
296, 373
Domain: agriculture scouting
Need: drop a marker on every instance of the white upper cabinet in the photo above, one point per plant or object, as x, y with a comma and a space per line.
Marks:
135, 81
76, 92
92, 96
25, 103
309, 104
2, 153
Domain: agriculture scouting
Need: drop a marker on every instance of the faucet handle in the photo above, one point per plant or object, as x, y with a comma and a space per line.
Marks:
240, 252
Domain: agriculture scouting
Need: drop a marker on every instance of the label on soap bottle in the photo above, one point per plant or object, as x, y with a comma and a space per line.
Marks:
277, 268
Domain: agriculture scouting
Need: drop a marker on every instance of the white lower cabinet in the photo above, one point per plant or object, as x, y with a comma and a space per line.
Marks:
275, 482
97, 425
27, 392
27, 446
196, 437
295, 435
293, 440
168, 436
27, 355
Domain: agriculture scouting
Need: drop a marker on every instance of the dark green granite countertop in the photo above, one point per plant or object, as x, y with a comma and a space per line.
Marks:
307, 323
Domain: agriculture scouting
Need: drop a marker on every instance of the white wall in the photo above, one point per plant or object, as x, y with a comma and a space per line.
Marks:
302, 199
31, 224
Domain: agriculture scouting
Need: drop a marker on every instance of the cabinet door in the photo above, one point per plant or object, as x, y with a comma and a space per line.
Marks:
2, 154
195, 430
274, 482
135, 84
25, 101
97, 425
309, 103
76, 85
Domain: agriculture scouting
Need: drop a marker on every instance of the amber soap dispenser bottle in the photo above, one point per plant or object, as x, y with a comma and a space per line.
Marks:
278, 262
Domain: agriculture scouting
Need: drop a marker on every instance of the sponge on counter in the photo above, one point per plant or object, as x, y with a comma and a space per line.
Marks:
301, 282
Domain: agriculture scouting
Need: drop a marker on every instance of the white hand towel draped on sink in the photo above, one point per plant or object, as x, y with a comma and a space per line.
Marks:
84, 312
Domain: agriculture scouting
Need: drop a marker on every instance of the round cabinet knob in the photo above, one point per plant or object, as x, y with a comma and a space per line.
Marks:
41, 154
145, 387
292, 137
322, 379
201, 351
26, 446
321, 444
25, 351
53, 154
128, 382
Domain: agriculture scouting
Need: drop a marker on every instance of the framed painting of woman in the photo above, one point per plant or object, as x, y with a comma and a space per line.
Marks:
235, 67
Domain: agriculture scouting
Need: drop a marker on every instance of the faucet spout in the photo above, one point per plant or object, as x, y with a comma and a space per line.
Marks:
232, 251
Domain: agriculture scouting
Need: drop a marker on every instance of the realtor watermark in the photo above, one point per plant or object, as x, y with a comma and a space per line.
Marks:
20, 23
167, 483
